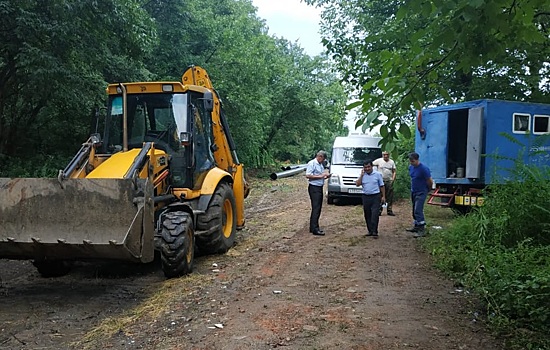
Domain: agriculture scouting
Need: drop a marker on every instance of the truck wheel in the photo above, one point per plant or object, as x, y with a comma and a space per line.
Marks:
218, 225
52, 268
177, 244
330, 200
461, 210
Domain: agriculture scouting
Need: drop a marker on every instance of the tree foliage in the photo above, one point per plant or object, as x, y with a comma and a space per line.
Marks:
399, 55
281, 103
53, 68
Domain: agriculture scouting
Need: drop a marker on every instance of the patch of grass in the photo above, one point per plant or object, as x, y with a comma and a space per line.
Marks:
502, 252
152, 308
357, 241
438, 216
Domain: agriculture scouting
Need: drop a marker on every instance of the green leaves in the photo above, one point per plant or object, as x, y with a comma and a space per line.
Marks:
280, 102
405, 130
399, 55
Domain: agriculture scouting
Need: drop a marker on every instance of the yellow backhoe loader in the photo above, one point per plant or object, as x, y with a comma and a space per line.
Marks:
165, 176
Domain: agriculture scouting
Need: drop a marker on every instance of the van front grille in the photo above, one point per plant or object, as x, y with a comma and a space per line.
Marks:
349, 180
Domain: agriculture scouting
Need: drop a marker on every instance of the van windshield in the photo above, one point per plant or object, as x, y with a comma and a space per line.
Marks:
354, 155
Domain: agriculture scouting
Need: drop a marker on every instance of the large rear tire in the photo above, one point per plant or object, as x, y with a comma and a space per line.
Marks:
218, 226
177, 244
52, 268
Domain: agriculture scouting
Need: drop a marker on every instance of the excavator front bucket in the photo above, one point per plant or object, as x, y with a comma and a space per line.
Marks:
51, 219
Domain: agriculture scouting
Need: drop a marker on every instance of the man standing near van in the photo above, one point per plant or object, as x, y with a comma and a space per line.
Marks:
316, 175
386, 166
373, 194
421, 184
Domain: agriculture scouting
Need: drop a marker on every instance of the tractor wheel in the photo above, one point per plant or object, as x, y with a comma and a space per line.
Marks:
219, 224
177, 244
52, 268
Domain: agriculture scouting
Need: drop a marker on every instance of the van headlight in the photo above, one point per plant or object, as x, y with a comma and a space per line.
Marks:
334, 180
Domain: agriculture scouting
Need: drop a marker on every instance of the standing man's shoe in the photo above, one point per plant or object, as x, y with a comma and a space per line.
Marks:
413, 229
391, 213
318, 233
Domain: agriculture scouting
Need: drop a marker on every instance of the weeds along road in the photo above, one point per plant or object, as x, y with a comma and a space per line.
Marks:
279, 287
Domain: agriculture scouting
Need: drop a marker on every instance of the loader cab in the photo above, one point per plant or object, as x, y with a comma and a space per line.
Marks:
179, 123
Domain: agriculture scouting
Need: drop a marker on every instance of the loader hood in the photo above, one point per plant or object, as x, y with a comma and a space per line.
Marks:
116, 166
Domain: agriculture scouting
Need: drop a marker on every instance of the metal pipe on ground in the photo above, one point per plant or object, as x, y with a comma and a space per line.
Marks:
291, 172
289, 167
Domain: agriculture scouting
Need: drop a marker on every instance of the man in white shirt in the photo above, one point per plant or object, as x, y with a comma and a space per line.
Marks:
386, 166
316, 175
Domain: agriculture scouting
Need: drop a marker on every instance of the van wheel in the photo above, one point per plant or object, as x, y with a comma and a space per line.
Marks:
218, 225
177, 244
330, 200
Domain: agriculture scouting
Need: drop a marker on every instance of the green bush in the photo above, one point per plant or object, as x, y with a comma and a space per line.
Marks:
402, 185
502, 251
37, 166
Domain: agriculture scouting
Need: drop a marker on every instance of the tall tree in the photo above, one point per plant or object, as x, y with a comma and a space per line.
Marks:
270, 88
53, 68
398, 55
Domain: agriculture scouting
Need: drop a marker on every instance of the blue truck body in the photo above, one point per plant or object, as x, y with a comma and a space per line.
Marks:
466, 149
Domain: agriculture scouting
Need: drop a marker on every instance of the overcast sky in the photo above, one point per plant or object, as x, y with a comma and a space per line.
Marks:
294, 21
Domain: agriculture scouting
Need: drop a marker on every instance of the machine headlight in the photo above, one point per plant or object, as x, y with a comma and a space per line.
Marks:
334, 180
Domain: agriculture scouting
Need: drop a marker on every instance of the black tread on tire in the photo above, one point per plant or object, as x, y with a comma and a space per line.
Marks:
177, 244
216, 228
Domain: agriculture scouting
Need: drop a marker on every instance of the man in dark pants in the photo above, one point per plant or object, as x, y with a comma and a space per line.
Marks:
373, 195
421, 184
316, 175
386, 166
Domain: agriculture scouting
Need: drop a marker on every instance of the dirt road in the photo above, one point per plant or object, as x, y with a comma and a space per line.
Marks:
279, 287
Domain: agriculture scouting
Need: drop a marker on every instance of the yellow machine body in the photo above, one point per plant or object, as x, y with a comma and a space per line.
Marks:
112, 198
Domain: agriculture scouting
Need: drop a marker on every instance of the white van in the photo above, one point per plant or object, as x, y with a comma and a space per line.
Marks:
348, 155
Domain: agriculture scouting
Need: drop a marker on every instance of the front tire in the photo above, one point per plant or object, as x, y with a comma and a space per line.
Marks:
177, 244
218, 225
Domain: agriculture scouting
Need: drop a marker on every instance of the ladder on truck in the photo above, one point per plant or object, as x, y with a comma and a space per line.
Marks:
442, 199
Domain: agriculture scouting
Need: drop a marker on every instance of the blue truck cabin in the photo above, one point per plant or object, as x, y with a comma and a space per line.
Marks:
464, 146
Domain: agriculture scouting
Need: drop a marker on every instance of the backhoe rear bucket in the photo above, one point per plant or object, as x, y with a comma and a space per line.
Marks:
48, 219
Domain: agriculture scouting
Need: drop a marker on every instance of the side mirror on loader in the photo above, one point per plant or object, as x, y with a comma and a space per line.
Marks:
208, 102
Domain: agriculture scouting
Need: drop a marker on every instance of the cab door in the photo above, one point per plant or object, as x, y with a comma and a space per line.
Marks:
433, 149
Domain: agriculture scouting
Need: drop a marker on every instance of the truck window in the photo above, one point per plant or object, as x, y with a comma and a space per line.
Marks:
541, 124
521, 123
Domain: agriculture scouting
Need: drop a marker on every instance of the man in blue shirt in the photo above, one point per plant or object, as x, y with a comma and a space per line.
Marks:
421, 184
373, 194
316, 175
